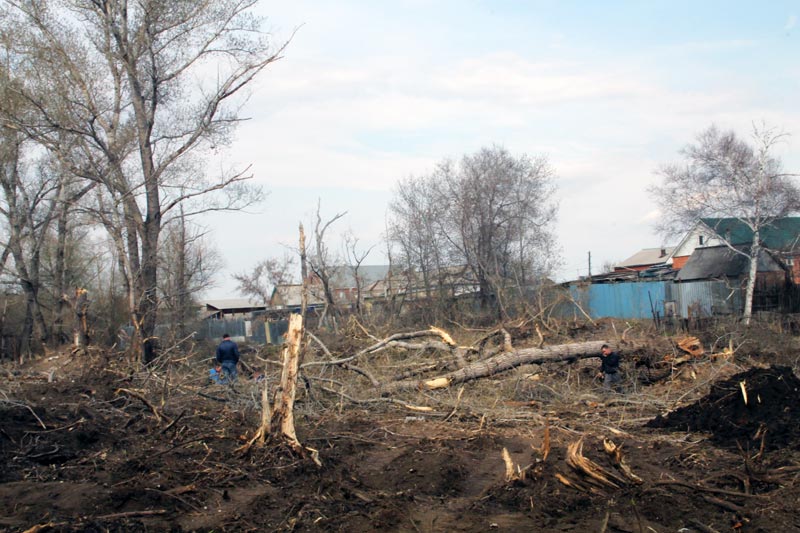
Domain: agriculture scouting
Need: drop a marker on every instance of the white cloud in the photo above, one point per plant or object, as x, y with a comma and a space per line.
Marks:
324, 121
791, 22
650, 217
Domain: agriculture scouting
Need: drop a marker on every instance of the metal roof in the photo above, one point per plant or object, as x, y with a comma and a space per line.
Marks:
292, 296
647, 256
782, 234
718, 262
344, 276
233, 303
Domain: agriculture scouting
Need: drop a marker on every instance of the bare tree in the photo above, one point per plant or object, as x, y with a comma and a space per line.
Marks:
265, 275
415, 213
27, 205
491, 213
128, 81
322, 262
607, 266
67, 264
187, 266
723, 176
355, 258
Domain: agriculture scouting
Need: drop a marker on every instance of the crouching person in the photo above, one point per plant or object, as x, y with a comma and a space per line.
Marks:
609, 368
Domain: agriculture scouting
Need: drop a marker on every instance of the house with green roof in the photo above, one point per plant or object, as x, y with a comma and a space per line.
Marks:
781, 238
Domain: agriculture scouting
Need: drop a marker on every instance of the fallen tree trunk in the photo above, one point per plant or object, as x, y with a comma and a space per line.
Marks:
503, 362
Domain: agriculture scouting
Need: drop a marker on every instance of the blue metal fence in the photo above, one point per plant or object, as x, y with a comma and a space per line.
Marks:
621, 300
649, 299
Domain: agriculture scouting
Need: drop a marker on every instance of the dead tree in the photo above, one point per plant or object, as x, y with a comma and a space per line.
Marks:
503, 362
320, 261
507, 359
81, 328
283, 414
279, 424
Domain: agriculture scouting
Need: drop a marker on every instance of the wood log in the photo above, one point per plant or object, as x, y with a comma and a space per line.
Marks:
502, 363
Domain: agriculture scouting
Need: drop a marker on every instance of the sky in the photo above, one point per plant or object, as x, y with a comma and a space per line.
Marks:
368, 93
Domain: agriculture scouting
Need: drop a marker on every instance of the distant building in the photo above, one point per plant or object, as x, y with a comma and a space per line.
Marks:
724, 263
704, 275
230, 308
644, 259
289, 299
782, 237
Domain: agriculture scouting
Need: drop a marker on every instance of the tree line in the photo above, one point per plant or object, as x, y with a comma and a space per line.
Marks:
108, 119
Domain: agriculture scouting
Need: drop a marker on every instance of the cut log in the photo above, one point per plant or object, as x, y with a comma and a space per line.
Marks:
502, 363
692, 346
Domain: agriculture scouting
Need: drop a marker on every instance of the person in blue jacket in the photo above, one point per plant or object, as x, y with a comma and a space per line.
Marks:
228, 358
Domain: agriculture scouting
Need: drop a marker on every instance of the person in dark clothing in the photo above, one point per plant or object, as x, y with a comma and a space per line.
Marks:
228, 358
609, 368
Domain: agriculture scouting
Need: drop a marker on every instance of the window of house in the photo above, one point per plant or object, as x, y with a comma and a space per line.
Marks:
700, 239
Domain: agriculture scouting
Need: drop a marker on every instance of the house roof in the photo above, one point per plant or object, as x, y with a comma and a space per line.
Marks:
647, 256
344, 276
782, 234
653, 273
716, 262
292, 295
232, 304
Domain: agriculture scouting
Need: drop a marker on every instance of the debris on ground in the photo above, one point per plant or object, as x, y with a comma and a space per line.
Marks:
759, 404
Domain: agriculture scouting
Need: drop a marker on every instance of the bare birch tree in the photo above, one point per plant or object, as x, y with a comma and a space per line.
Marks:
724, 176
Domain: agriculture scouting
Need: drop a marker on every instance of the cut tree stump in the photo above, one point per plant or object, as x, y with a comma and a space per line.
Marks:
282, 422
279, 424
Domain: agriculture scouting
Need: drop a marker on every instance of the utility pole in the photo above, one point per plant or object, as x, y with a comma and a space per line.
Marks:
590, 264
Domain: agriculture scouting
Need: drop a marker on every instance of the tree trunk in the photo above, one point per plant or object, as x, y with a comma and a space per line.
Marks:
148, 303
755, 251
283, 412
182, 301
503, 362
147, 307
24, 344
281, 423
60, 289
81, 328
303, 274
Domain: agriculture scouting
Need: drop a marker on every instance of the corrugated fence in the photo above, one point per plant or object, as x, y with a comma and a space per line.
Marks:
621, 300
704, 298
649, 299
255, 331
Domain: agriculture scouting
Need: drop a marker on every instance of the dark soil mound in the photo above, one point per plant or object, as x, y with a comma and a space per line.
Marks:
773, 405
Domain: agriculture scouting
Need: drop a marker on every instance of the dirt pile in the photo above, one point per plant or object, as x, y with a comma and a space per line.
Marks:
761, 402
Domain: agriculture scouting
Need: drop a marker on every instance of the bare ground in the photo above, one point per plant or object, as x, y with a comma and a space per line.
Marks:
103, 448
